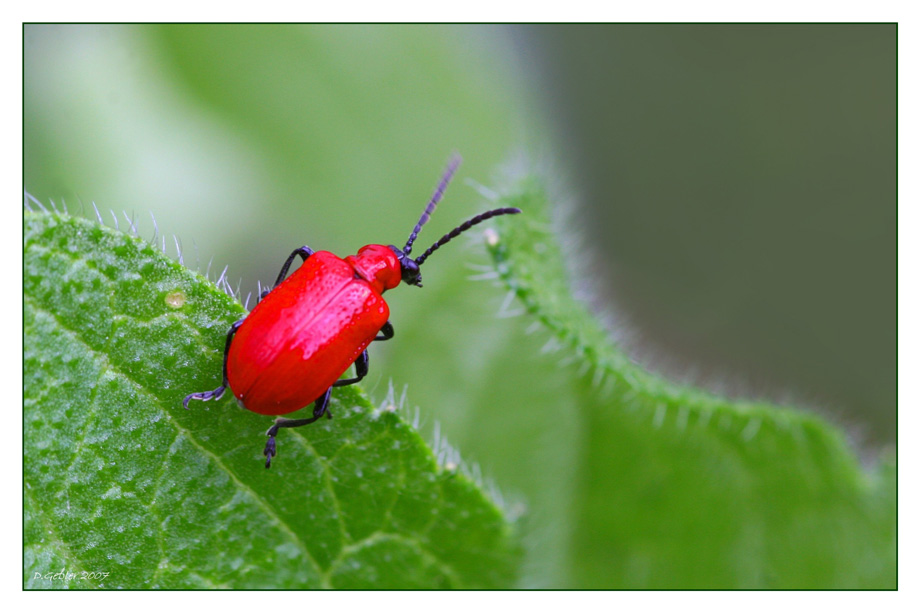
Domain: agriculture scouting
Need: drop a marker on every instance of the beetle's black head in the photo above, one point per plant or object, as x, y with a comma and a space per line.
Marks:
411, 275
410, 267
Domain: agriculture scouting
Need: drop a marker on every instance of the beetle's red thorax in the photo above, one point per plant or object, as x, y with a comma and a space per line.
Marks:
305, 333
377, 265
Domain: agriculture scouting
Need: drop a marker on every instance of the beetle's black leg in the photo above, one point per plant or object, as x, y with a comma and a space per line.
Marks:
217, 393
320, 407
360, 370
304, 252
386, 332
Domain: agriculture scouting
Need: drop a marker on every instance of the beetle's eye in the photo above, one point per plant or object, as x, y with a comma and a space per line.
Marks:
411, 275
409, 270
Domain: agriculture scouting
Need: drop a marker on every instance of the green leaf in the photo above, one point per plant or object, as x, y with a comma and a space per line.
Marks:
680, 488
125, 489
258, 139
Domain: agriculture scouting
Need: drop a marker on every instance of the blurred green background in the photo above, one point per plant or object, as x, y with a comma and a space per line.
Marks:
741, 186
736, 186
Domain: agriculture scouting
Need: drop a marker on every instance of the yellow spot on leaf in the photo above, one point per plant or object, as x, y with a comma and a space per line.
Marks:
175, 300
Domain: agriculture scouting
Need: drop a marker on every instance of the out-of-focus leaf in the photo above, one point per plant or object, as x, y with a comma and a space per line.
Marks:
678, 488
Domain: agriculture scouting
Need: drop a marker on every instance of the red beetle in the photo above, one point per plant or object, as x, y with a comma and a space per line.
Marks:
309, 328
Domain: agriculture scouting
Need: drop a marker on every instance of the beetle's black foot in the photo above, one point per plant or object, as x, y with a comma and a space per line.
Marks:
205, 395
270, 449
321, 407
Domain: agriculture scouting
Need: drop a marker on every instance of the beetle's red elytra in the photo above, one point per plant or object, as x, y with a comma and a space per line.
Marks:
309, 328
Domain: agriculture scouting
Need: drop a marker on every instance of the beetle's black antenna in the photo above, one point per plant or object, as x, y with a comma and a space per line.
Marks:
466, 225
433, 203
